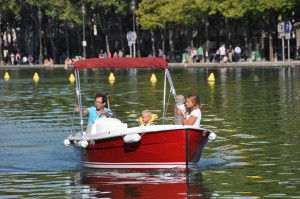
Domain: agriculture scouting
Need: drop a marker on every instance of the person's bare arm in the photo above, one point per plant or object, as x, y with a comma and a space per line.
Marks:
192, 119
84, 111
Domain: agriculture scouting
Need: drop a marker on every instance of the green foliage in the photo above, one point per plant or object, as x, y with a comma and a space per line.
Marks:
233, 8
153, 14
208, 7
149, 13
276, 5
63, 11
120, 7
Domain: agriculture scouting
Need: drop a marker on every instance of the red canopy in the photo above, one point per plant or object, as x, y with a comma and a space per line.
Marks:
124, 62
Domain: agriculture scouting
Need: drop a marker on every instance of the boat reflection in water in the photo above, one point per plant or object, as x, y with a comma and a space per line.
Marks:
154, 184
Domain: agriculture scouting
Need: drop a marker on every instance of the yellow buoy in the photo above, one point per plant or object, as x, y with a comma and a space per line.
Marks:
153, 78
211, 83
211, 77
255, 78
111, 82
6, 76
254, 177
111, 77
36, 77
72, 78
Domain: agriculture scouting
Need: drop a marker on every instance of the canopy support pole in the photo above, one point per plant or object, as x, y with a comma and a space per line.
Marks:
171, 84
172, 89
164, 102
78, 94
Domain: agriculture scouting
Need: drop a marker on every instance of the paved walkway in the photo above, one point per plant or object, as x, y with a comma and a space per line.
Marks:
261, 64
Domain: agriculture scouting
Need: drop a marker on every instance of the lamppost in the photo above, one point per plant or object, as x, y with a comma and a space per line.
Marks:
40, 36
137, 35
133, 7
83, 30
0, 39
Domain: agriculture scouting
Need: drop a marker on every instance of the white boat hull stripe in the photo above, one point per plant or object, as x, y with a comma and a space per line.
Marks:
138, 165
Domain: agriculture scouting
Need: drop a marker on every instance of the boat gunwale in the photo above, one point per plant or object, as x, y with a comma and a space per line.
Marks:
135, 130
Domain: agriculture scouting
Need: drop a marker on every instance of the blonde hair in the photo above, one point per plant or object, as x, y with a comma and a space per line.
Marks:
196, 101
149, 114
146, 112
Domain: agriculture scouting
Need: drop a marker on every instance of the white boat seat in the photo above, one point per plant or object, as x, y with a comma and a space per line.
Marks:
103, 125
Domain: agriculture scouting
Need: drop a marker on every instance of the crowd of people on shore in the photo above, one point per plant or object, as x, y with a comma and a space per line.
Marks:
222, 54
69, 61
109, 55
16, 58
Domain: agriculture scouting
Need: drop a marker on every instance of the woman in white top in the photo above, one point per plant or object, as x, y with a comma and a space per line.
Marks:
193, 114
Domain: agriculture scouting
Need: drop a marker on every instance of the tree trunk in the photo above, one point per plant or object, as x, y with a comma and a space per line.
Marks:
105, 31
121, 33
67, 41
171, 43
245, 34
228, 30
107, 43
92, 42
207, 43
138, 39
189, 36
218, 27
153, 43
162, 36
80, 47
249, 36
271, 47
104, 27
52, 41
262, 47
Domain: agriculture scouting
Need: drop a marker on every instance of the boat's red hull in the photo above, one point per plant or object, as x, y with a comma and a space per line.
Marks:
164, 149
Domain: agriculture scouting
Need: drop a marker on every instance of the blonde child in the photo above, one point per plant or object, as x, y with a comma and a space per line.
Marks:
147, 118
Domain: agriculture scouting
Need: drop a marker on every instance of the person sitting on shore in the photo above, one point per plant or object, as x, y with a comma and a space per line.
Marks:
24, 60
147, 118
30, 59
48, 62
68, 62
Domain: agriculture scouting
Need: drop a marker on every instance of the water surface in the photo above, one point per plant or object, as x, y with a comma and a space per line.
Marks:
255, 113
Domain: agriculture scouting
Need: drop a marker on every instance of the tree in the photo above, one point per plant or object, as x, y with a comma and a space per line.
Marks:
173, 24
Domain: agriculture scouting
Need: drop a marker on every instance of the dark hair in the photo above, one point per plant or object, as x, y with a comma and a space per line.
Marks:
104, 99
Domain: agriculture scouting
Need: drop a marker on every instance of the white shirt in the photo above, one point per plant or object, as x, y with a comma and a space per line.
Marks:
237, 50
196, 113
222, 50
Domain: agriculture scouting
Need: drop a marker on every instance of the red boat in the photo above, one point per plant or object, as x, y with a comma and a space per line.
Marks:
110, 144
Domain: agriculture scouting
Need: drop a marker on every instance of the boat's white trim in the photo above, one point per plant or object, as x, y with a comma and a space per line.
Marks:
139, 165
133, 130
